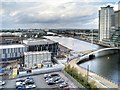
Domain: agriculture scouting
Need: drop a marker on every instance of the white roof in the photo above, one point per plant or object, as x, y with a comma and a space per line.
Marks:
37, 52
37, 41
11, 46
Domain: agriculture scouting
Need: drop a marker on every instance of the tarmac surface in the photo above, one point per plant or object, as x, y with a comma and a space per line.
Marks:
40, 82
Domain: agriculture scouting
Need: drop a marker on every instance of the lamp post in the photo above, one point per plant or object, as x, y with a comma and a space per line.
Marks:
87, 72
92, 37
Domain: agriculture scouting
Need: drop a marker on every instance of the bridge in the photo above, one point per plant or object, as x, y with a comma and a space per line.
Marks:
98, 53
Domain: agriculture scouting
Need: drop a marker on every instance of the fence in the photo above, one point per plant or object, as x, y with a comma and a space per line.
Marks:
58, 67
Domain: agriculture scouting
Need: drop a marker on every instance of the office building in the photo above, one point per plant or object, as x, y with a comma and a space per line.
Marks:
32, 59
115, 36
41, 45
105, 22
12, 52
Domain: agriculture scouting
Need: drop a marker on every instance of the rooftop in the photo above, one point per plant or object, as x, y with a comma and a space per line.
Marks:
37, 41
107, 7
12, 46
37, 52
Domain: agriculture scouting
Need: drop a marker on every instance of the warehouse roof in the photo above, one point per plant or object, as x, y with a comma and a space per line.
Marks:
12, 46
36, 52
37, 41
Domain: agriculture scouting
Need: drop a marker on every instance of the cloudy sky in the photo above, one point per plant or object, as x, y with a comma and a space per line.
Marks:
51, 13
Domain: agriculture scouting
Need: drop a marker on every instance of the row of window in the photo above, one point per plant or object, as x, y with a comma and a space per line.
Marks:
10, 55
13, 50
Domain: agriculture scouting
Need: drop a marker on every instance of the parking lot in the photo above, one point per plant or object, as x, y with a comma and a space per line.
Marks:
40, 81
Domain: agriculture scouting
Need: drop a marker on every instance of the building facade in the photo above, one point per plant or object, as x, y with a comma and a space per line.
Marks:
12, 52
105, 22
42, 45
32, 59
115, 36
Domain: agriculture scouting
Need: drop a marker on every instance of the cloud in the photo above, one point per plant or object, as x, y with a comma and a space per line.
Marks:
51, 13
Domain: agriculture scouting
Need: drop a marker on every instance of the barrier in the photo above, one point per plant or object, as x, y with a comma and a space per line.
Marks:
58, 67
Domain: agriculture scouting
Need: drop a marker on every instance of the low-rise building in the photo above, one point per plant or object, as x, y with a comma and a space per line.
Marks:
42, 45
32, 59
12, 52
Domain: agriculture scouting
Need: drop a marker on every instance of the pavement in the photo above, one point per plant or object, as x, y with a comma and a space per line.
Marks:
40, 82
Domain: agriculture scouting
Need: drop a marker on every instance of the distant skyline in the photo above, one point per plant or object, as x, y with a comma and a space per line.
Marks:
82, 14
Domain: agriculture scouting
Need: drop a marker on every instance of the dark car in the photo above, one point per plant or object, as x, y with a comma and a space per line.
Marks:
21, 80
20, 87
51, 82
56, 78
54, 74
59, 81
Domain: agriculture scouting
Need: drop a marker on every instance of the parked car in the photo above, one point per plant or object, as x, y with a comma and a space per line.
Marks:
47, 76
55, 78
19, 82
50, 75
62, 85
50, 82
2, 83
29, 81
30, 86
20, 87
59, 81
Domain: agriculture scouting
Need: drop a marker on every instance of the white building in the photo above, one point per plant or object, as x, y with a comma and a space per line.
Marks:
32, 59
42, 45
105, 22
12, 52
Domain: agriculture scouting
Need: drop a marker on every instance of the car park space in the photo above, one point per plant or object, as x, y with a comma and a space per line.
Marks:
38, 81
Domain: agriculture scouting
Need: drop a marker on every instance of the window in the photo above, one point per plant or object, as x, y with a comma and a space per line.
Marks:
5, 55
4, 51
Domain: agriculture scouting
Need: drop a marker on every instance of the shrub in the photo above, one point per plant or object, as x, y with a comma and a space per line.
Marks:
79, 77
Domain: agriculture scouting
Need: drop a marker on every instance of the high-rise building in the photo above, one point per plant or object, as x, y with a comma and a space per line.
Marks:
115, 36
119, 5
105, 22
117, 19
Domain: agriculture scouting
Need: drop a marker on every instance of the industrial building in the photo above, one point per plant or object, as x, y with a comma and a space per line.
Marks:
10, 38
32, 59
12, 52
42, 45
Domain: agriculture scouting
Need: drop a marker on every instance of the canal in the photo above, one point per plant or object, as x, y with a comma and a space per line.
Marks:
107, 66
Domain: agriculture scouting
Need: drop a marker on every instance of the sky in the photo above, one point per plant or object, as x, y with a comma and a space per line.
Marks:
78, 14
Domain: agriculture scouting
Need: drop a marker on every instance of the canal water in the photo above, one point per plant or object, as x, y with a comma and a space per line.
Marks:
107, 66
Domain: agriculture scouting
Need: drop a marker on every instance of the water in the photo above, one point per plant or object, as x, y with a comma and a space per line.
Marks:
107, 68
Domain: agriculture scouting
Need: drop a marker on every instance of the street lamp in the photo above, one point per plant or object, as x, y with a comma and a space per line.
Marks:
87, 72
